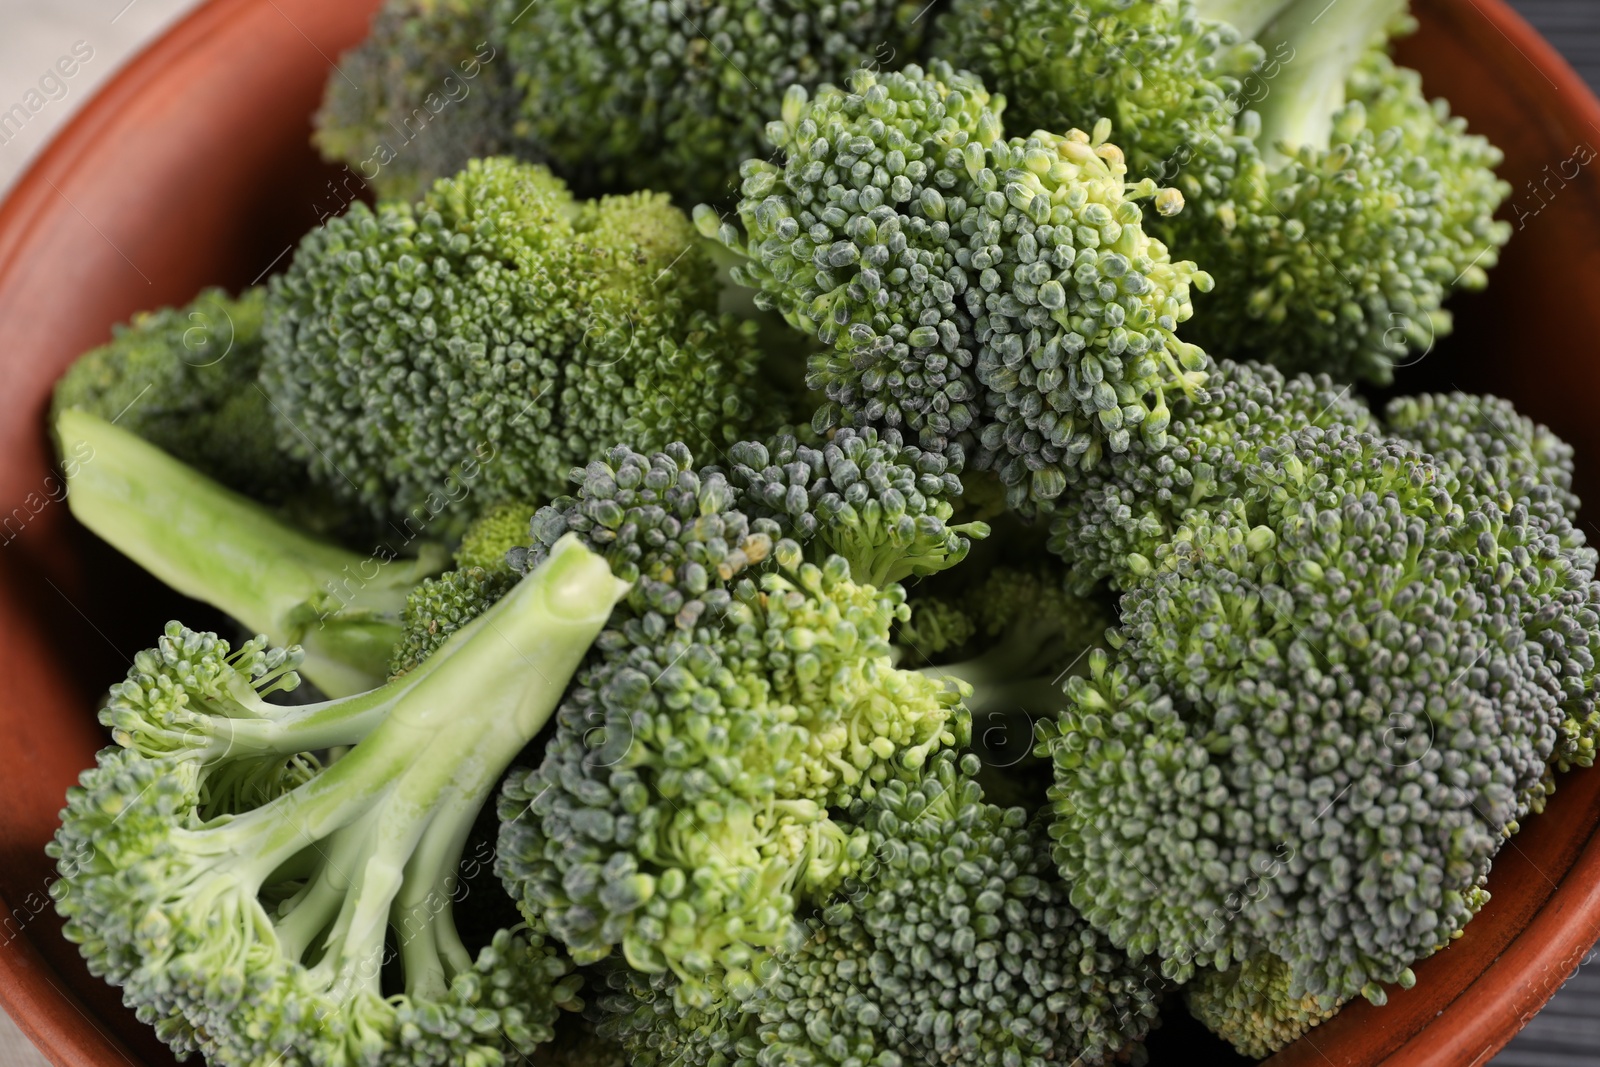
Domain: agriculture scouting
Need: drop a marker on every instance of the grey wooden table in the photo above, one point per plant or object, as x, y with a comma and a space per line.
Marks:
33, 32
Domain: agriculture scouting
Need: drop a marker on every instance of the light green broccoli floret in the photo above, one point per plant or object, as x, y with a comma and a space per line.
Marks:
1249, 1006
937, 625
494, 533
257, 905
954, 943
623, 94
429, 89
184, 379
430, 361
1335, 205
970, 288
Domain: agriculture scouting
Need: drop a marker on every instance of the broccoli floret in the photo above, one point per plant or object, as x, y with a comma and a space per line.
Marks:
955, 943
212, 544
184, 379
494, 534
245, 896
937, 625
1118, 515
624, 95
1330, 700
973, 291
431, 361
1336, 206
429, 89
682, 808
1249, 1006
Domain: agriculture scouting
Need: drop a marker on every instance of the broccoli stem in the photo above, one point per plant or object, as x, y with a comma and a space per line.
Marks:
1246, 16
214, 545
388, 821
1315, 45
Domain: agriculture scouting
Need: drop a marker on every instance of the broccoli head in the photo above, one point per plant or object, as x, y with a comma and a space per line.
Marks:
184, 379
431, 361
256, 904
972, 290
1355, 677
1249, 1006
682, 809
429, 89
953, 943
1335, 204
621, 94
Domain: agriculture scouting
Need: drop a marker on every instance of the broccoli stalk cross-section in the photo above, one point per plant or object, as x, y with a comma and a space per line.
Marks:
243, 893
208, 542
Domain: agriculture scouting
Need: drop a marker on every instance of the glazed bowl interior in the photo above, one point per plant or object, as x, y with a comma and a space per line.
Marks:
193, 168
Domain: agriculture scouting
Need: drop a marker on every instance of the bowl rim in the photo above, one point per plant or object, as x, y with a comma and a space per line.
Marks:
1467, 1031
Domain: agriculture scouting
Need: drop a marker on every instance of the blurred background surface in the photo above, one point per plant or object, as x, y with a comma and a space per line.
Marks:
34, 34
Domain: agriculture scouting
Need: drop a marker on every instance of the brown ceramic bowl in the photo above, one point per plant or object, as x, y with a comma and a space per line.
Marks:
192, 168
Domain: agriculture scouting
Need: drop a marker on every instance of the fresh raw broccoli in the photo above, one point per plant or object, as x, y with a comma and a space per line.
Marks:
204, 540
623, 95
1336, 206
973, 291
1249, 1006
430, 362
954, 943
747, 692
258, 905
429, 89
184, 379
1117, 516
1334, 691
682, 808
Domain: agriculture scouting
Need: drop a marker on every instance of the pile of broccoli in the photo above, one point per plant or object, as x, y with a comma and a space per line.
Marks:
827, 533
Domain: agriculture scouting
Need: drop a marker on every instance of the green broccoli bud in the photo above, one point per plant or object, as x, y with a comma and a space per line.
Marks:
953, 943
970, 288
883, 505
428, 90
1347, 677
1120, 514
624, 95
243, 894
1249, 1006
216, 546
936, 626
431, 361
1336, 206
437, 607
184, 379
494, 534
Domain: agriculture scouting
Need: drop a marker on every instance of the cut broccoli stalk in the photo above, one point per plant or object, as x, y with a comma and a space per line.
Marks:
214, 545
1317, 45
1246, 16
231, 920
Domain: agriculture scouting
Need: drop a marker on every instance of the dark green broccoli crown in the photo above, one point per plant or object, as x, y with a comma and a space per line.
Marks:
955, 944
1339, 258
1170, 81
882, 504
429, 89
1120, 513
1249, 1006
184, 379
1530, 561
624, 94
971, 289
1351, 712
431, 361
